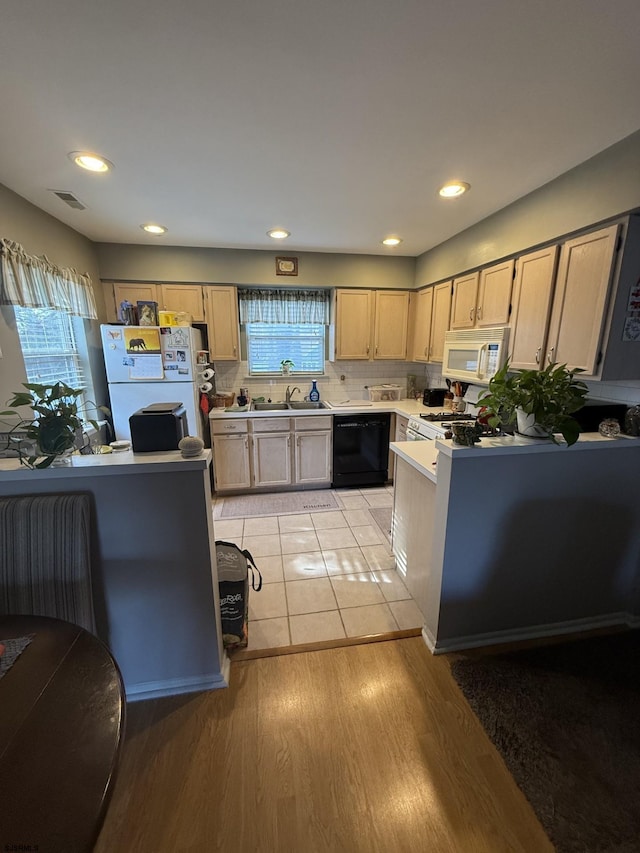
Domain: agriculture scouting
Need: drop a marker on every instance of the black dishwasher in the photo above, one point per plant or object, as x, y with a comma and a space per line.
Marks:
360, 449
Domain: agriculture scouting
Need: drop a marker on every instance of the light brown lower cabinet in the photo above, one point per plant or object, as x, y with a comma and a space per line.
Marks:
271, 453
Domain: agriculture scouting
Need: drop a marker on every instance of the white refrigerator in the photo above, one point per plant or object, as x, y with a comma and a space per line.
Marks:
152, 364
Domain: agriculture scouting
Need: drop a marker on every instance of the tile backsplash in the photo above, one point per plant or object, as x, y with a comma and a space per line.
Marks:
358, 374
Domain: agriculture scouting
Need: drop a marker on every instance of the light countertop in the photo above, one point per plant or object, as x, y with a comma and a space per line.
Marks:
104, 464
516, 444
423, 455
405, 408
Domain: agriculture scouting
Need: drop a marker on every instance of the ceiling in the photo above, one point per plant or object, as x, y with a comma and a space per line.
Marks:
337, 120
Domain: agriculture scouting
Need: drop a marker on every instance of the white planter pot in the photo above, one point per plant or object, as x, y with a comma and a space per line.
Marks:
527, 425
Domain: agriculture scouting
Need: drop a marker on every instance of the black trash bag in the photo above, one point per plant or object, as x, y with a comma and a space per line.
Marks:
234, 566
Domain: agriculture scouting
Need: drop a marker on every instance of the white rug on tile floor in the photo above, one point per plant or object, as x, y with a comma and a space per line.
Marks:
278, 503
382, 517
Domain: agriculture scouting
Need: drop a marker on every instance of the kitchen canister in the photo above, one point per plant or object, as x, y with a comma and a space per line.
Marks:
190, 446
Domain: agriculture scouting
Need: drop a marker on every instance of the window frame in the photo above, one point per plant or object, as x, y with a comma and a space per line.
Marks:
273, 330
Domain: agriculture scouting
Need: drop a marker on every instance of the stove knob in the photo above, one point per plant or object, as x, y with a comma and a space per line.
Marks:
448, 434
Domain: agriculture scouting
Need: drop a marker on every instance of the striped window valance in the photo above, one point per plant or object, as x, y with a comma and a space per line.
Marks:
272, 305
34, 282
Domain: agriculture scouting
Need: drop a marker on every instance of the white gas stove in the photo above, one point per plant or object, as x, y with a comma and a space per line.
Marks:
431, 426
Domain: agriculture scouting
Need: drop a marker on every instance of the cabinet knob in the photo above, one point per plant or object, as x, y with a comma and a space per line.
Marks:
478, 312
550, 355
367, 349
471, 314
538, 355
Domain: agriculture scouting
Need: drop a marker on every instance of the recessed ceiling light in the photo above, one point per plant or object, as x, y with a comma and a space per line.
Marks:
453, 189
278, 233
150, 228
92, 162
392, 241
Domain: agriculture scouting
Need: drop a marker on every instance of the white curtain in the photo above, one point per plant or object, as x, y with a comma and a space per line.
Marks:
259, 305
34, 282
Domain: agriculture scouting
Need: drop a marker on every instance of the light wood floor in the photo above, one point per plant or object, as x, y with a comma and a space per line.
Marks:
357, 749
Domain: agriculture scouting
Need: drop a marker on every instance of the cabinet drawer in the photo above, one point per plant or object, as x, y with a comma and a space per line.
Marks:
313, 422
270, 424
220, 426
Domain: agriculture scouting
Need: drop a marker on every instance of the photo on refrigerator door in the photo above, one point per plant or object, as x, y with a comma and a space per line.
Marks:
141, 340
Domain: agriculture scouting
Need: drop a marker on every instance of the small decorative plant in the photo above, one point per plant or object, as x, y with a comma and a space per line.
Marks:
544, 400
56, 425
286, 364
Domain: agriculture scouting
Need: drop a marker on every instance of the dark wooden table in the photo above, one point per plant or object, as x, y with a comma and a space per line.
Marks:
62, 718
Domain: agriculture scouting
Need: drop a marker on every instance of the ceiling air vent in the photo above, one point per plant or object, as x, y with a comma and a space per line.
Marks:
70, 199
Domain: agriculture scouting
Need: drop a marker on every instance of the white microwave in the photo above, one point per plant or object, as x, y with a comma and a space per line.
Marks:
474, 355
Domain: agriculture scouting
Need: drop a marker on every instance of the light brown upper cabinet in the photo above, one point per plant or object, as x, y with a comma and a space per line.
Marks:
464, 301
421, 311
183, 297
532, 292
221, 312
133, 293
483, 299
578, 313
494, 295
440, 319
371, 324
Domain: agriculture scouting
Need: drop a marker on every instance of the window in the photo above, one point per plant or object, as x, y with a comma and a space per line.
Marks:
284, 324
49, 347
268, 344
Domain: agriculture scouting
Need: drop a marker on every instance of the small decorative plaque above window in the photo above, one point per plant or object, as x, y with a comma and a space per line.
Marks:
286, 266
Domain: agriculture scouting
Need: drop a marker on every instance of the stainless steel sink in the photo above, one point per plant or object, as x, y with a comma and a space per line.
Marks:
283, 407
270, 407
306, 404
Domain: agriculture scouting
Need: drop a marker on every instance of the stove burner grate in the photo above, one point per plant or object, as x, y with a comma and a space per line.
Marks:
448, 416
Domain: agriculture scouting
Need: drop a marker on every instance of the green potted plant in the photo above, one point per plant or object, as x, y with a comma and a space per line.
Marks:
539, 402
54, 429
286, 364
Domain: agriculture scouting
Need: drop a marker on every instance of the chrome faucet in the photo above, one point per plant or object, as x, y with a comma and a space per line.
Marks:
289, 393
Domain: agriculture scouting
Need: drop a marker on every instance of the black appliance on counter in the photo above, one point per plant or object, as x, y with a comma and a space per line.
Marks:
360, 449
159, 426
433, 397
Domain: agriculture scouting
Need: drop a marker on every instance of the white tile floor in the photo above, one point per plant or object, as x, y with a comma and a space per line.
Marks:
326, 575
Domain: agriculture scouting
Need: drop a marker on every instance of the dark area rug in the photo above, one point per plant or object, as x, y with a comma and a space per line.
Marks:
566, 720
382, 516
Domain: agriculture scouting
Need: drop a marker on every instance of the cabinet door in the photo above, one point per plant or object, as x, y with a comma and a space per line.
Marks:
183, 297
391, 319
464, 301
421, 325
401, 428
313, 457
134, 293
494, 295
532, 291
582, 285
221, 310
440, 320
231, 462
353, 324
271, 458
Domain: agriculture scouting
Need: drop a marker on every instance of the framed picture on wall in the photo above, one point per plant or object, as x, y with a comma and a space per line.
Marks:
286, 266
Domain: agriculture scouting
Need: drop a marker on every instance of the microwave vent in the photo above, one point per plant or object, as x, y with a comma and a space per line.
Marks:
70, 199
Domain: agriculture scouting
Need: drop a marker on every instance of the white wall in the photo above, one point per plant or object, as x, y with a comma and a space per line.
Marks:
599, 189
41, 234
240, 266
